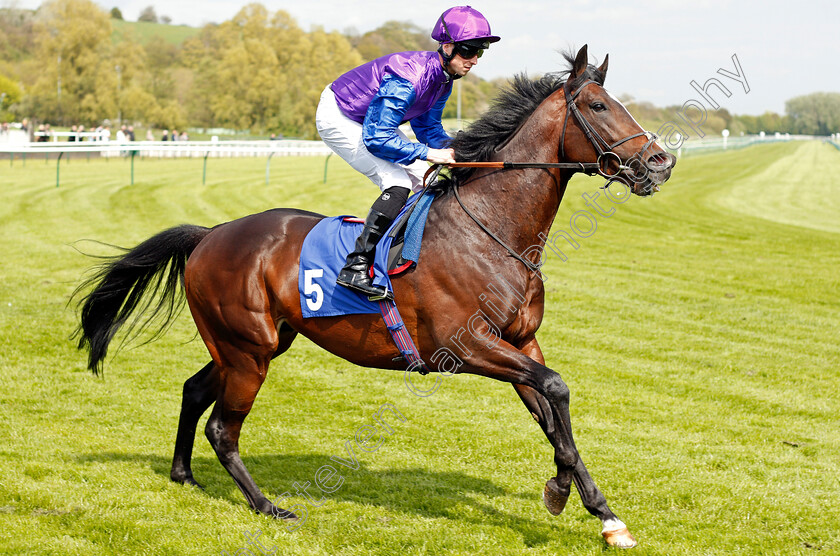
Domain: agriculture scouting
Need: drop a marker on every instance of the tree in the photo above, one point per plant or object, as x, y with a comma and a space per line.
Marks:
249, 71
814, 114
746, 123
476, 97
170, 115
165, 19
161, 59
138, 105
392, 36
148, 14
76, 81
257, 71
17, 34
260, 71
116, 13
771, 122
128, 60
10, 94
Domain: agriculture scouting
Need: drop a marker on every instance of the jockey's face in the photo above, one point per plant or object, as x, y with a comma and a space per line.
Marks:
457, 64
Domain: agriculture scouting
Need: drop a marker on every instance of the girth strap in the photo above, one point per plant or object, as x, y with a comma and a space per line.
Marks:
401, 337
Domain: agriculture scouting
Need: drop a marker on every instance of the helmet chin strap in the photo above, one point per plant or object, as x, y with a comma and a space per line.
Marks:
446, 60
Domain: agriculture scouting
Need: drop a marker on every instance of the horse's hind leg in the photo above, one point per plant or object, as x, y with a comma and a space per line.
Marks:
615, 532
241, 383
242, 376
200, 391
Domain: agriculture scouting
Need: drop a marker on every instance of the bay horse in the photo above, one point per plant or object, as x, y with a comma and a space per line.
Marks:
241, 278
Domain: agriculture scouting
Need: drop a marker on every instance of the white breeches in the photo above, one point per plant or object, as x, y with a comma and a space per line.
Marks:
344, 137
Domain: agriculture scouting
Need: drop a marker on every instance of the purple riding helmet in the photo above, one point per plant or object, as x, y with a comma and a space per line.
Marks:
463, 25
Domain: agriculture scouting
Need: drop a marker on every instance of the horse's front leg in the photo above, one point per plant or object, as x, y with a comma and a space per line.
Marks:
615, 532
508, 364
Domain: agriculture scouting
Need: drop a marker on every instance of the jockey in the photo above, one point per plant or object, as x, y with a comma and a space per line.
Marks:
359, 116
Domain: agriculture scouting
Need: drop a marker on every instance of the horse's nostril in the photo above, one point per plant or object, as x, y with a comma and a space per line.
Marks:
660, 161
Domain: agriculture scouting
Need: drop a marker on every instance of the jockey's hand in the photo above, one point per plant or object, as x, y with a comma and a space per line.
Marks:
441, 156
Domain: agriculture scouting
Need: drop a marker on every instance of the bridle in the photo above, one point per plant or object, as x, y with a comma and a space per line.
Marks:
605, 157
602, 166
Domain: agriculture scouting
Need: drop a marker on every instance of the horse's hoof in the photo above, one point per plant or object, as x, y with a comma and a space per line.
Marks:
194, 483
189, 481
554, 497
620, 538
285, 515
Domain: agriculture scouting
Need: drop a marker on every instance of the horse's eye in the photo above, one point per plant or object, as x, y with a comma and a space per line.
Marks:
598, 106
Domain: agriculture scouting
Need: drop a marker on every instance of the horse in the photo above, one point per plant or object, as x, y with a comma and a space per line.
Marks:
240, 279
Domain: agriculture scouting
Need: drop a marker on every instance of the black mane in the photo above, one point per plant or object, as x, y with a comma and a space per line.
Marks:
510, 109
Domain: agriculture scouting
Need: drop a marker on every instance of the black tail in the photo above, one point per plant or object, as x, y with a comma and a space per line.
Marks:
147, 277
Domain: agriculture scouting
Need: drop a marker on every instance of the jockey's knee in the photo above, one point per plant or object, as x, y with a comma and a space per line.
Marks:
391, 201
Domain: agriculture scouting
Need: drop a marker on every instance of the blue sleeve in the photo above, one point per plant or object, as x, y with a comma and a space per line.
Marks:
384, 116
428, 128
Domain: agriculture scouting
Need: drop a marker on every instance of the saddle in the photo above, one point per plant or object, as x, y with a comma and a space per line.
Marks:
402, 254
325, 249
403, 239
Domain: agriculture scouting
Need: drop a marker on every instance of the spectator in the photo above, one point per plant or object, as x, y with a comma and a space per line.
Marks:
106, 133
42, 134
165, 135
130, 133
184, 136
149, 135
72, 136
80, 130
121, 139
175, 136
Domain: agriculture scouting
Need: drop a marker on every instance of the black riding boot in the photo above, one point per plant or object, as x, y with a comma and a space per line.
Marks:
356, 272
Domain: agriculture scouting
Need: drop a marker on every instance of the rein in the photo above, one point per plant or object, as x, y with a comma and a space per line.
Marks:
590, 168
533, 267
435, 169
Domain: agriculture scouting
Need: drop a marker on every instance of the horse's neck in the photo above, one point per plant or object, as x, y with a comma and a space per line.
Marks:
521, 204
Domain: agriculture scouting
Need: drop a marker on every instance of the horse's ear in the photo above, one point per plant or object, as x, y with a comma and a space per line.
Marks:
603, 68
581, 60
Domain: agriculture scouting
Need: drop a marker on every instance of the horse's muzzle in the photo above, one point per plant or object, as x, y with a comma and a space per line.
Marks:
646, 176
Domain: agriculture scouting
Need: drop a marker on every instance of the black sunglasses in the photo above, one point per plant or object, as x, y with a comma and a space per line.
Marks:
466, 51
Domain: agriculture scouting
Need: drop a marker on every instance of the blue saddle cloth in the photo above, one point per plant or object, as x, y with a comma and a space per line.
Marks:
325, 251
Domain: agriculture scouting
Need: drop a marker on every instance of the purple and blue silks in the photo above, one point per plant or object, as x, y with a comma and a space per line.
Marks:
386, 92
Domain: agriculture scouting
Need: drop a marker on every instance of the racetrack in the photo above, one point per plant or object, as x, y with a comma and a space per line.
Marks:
794, 189
697, 331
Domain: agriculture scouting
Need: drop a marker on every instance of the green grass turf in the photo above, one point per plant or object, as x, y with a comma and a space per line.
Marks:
697, 331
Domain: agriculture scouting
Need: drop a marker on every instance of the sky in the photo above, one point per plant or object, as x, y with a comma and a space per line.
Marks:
656, 47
